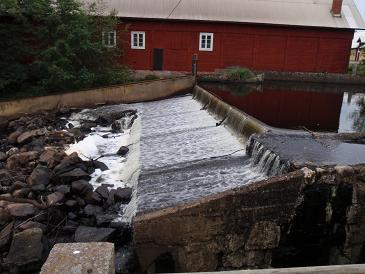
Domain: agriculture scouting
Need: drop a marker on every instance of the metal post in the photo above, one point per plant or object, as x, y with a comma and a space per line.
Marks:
194, 68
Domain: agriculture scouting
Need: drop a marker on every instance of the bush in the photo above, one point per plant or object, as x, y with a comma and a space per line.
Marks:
50, 46
238, 73
150, 77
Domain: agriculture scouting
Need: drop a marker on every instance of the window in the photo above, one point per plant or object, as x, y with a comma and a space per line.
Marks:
138, 40
206, 41
110, 38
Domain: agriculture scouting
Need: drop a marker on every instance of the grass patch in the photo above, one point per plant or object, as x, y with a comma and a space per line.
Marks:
238, 73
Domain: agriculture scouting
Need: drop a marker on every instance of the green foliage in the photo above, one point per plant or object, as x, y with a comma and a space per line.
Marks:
150, 77
55, 45
360, 69
238, 73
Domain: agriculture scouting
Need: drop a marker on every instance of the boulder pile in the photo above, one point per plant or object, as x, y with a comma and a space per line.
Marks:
45, 194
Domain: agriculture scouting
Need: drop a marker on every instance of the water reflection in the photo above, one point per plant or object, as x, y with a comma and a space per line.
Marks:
317, 107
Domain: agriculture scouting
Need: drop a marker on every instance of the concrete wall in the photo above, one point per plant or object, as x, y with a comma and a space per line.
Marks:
302, 218
329, 78
137, 92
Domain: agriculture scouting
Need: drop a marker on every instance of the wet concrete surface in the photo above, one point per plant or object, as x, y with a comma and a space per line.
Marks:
184, 156
307, 149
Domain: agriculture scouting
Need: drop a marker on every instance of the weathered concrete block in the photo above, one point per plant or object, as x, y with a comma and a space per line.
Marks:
264, 235
80, 258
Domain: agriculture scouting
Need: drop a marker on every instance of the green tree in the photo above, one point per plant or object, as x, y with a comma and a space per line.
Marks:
54, 45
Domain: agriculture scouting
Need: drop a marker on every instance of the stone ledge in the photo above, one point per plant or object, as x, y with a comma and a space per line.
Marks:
80, 258
331, 269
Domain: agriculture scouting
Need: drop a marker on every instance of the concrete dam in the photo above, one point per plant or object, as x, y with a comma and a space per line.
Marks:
193, 183
216, 189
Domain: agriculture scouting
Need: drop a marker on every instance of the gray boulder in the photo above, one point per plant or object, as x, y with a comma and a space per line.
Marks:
93, 234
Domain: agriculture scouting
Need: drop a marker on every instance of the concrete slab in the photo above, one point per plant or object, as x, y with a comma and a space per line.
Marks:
331, 269
80, 258
306, 149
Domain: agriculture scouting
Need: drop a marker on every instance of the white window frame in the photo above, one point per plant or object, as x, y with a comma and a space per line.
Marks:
204, 47
115, 39
138, 33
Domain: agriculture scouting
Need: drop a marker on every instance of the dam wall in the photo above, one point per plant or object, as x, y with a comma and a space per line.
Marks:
306, 217
129, 93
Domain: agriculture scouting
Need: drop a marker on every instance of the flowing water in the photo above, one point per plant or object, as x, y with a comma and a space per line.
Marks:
186, 156
178, 153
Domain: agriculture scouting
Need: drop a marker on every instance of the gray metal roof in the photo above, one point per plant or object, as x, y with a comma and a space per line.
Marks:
283, 12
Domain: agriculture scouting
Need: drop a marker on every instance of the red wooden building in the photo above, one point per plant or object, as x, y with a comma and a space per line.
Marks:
280, 35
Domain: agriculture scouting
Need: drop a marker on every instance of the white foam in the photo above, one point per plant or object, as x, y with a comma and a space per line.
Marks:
94, 146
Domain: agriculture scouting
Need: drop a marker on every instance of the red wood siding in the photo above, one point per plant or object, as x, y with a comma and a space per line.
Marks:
257, 47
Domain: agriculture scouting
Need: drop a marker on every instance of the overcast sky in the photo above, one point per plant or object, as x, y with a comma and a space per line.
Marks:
361, 6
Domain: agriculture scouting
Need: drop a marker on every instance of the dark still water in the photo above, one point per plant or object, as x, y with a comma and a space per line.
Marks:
297, 105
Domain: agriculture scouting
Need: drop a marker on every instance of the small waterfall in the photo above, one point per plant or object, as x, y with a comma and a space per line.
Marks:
238, 121
265, 160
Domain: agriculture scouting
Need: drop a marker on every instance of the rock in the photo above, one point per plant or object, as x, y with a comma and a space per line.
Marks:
93, 198
71, 226
123, 194
86, 126
64, 111
21, 210
103, 121
116, 127
81, 202
73, 175
122, 151
105, 219
102, 191
55, 198
65, 189
93, 234
13, 137
51, 158
21, 159
32, 224
92, 210
40, 175
38, 188
344, 170
6, 177
4, 123
6, 234
100, 165
81, 187
4, 216
72, 204
21, 193
26, 250
12, 151
68, 163
36, 144
27, 136
87, 258
77, 133
3, 156
72, 216
17, 185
